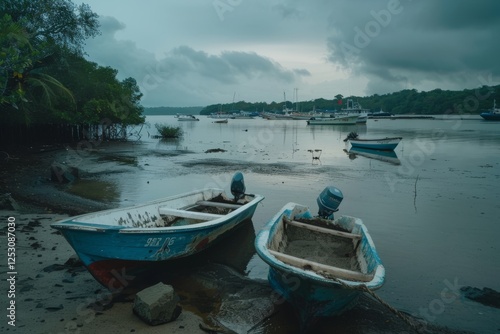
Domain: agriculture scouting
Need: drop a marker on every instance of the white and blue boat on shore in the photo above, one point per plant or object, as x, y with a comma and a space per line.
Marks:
320, 265
130, 239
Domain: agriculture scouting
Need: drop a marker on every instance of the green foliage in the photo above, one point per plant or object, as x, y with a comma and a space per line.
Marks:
98, 93
43, 75
53, 24
167, 131
408, 101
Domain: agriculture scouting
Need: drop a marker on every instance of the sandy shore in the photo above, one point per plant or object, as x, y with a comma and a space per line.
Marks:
56, 296
52, 296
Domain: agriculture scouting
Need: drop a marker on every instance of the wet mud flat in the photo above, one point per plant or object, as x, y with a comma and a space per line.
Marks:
217, 296
55, 293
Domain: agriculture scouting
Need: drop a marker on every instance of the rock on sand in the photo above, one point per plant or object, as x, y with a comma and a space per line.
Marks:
157, 304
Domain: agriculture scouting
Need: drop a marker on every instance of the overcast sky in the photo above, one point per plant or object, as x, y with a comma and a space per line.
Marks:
201, 52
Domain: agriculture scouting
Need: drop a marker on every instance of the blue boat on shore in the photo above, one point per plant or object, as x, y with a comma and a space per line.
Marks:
115, 244
320, 265
493, 114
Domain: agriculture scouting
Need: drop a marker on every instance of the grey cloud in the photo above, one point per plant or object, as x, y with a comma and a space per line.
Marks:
383, 45
228, 67
110, 25
185, 75
302, 72
289, 10
420, 42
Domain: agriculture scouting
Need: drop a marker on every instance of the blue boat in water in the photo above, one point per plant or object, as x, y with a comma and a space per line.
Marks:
116, 244
320, 265
381, 144
493, 114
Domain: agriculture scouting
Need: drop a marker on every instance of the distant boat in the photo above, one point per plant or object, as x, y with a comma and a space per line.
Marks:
354, 109
319, 265
308, 115
493, 114
131, 239
277, 116
221, 121
219, 115
339, 120
187, 118
384, 144
243, 115
380, 114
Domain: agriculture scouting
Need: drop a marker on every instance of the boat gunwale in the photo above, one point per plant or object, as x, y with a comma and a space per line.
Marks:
379, 139
74, 224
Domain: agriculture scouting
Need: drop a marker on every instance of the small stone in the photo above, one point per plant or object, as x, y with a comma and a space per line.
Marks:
157, 304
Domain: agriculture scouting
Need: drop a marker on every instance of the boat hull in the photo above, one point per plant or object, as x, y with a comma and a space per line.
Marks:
385, 144
314, 295
346, 120
110, 249
489, 116
311, 300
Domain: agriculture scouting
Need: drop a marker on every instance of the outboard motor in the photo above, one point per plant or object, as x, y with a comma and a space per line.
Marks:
238, 186
329, 201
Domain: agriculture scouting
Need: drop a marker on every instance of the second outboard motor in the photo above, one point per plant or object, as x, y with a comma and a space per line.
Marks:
238, 186
329, 201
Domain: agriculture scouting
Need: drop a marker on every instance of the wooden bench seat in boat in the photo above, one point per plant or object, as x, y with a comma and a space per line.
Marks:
321, 268
219, 205
188, 214
323, 230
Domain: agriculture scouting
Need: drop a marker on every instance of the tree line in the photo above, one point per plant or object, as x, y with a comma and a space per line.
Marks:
408, 101
46, 83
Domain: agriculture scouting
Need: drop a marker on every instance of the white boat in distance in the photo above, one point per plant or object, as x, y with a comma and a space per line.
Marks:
355, 109
339, 120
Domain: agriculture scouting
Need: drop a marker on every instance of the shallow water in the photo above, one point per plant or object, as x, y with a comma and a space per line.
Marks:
432, 210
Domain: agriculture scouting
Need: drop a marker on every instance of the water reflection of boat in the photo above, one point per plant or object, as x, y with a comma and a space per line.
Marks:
132, 238
386, 156
187, 118
319, 264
